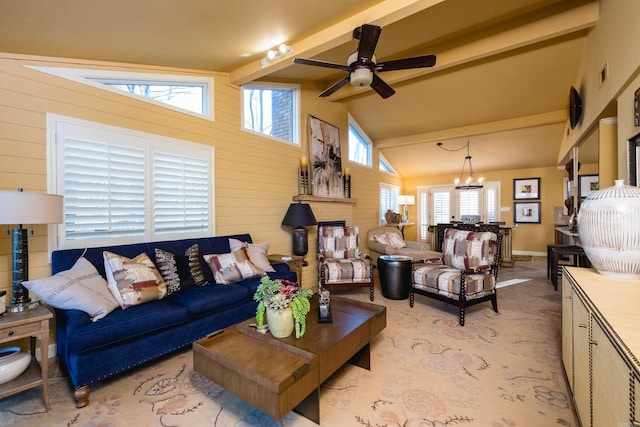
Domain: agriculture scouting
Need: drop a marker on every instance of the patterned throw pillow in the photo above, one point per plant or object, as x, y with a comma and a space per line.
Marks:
180, 271
257, 253
396, 241
232, 267
382, 238
133, 281
79, 288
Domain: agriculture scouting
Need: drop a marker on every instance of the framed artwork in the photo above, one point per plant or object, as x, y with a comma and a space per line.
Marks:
324, 144
526, 188
587, 184
526, 212
633, 157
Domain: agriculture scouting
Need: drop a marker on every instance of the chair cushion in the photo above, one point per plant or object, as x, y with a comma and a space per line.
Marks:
352, 270
443, 280
468, 249
338, 242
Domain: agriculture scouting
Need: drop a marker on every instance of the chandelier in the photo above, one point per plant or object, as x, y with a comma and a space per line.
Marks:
466, 181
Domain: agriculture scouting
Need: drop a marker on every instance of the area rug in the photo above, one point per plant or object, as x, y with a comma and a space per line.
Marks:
499, 370
525, 258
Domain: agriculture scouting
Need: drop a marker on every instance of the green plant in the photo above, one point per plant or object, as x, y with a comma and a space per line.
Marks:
279, 294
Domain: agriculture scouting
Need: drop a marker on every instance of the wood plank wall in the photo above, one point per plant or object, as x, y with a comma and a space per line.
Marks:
255, 176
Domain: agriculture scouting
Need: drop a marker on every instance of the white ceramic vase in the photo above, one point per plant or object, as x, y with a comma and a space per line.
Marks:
13, 362
609, 230
280, 322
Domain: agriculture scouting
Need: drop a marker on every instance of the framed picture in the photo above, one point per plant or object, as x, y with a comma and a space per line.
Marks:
587, 184
526, 188
526, 212
326, 170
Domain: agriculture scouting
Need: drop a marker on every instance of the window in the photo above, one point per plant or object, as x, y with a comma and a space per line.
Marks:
359, 144
121, 186
443, 204
384, 165
183, 93
388, 199
272, 110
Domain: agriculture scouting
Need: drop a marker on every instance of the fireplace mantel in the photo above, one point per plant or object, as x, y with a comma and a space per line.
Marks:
309, 198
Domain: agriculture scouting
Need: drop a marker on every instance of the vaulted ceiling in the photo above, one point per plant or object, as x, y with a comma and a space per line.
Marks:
501, 80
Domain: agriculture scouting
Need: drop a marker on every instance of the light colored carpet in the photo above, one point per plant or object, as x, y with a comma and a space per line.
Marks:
500, 370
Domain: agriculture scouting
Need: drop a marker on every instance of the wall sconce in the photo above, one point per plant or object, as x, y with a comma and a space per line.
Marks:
406, 200
273, 54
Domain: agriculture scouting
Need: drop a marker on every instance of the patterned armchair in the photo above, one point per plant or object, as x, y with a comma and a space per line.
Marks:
340, 262
468, 272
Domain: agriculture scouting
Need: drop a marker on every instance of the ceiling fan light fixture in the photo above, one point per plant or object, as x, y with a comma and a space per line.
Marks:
361, 77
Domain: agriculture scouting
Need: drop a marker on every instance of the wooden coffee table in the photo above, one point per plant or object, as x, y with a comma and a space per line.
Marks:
280, 375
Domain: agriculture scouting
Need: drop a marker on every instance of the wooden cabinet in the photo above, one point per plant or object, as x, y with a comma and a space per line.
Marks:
600, 345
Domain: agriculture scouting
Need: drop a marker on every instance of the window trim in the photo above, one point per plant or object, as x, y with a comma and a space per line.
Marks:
57, 232
363, 135
391, 188
92, 78
295, 88
383, 159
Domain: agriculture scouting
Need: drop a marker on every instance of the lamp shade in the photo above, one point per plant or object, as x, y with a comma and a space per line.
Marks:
299, 215
30, 208
406, 200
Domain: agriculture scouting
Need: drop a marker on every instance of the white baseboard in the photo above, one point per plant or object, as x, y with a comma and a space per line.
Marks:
543, 254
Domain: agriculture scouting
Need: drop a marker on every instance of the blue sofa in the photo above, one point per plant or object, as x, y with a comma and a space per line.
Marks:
92, 351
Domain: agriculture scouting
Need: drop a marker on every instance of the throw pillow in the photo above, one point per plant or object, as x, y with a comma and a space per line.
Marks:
382, 238
257, 253
180, 271
79, 288
232, 267
396, 241
133, 281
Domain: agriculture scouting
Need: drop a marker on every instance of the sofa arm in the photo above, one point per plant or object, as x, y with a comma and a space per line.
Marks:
381, 248
420, 246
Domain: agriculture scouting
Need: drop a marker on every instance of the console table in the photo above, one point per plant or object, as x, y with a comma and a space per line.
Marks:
601, 346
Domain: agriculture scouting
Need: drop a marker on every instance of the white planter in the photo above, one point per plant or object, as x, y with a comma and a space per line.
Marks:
13, 363
609, 229
280, 322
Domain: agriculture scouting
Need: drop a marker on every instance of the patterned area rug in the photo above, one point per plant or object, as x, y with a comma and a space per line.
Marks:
500, 370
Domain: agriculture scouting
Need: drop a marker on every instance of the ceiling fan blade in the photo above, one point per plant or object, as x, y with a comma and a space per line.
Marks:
406, 63
335, 87
383, 89
369, 35
320, 64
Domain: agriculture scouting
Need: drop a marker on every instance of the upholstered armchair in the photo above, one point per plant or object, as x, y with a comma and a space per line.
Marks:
467, 274
341, 264
388, 240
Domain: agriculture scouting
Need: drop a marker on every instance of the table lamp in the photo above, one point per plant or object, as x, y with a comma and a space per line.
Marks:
299, 216
406, 200
26, 208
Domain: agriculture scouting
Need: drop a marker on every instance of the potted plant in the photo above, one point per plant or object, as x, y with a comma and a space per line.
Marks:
282, 300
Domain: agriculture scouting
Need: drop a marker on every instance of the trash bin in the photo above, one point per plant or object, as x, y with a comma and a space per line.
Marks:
395, 276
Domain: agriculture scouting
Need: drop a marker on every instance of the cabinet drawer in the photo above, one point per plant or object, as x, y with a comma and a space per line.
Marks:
20, 330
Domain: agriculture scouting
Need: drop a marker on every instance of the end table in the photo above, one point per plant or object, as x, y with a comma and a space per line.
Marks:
34, 324
295, 263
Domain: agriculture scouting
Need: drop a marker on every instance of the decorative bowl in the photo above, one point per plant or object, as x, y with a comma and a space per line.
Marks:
13, 362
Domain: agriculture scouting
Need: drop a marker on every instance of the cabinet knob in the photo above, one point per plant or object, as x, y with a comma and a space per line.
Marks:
593, 342
10, 333
582, 325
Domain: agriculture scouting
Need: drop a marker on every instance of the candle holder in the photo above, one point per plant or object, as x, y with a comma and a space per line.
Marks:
303, 182
347, 186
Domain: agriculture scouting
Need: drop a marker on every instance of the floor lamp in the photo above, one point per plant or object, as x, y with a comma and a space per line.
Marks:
299, 216
26, 208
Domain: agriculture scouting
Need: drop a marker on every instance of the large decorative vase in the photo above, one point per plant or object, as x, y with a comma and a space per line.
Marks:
609, 230
280, 322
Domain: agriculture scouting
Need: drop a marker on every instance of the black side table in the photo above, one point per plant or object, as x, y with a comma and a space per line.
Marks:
395, 276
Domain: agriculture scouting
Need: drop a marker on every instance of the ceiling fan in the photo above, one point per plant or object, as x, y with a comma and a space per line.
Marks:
362, 65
